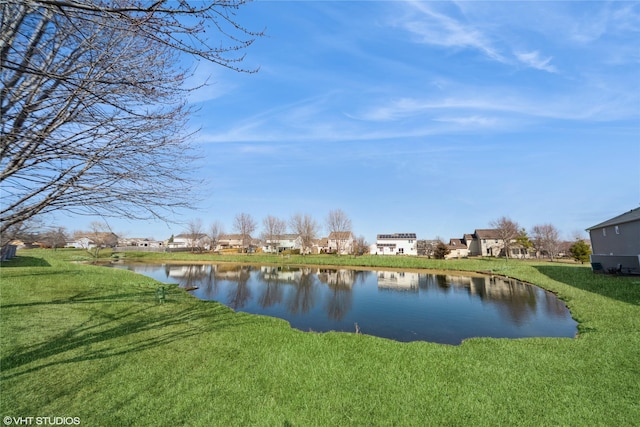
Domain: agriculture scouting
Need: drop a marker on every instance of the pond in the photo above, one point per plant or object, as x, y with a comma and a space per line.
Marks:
402, 306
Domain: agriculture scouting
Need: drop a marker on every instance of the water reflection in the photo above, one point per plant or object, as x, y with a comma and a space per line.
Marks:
404, 306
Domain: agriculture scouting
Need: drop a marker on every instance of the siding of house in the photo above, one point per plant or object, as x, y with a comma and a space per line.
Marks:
343, 240
485, 242
457, 249
616, 242
396, 244
283, 243
230, 241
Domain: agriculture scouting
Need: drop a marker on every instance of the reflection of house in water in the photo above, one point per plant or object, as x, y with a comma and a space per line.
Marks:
281, 274
498, 288
337, 278
187, 271
398, 280
514, 298
232, 273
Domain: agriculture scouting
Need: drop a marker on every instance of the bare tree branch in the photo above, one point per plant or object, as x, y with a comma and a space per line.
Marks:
307, 228
93, 118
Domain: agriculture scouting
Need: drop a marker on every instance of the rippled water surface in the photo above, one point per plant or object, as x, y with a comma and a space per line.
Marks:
403, 306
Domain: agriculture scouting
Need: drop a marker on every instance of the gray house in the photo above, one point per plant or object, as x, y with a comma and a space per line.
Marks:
616, 243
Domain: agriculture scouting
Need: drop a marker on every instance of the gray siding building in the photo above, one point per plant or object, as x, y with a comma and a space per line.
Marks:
616, 243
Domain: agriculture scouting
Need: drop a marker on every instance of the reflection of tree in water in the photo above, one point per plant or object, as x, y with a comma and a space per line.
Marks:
271, 293
210, 284
302, 299
512, 298
434, 283
554, 306
189, 276
238, 297
339, 302
340, 298
273, 281
515, 299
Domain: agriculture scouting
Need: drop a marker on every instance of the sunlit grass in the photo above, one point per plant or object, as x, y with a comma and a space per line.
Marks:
79, 340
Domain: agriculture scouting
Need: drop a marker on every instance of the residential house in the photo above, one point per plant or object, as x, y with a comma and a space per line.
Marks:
234, 241
93, 240
141, 242
485, 242
341, 242
488, 242
189, 241
321, 246
457, 249
396, 244
281, 243
616, 243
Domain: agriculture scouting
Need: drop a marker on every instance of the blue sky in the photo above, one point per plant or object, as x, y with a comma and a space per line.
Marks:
426, 117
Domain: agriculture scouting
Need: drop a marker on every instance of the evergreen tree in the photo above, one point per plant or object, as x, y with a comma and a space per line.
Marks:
580, 251
441, 251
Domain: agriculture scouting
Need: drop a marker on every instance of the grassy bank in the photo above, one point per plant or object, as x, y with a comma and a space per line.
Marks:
84, 341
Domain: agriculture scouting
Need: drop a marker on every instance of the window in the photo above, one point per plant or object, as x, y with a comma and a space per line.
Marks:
604, 232
617, 230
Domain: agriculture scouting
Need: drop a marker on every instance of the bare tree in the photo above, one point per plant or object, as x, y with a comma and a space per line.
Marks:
56, 237
194, 235
215, 231
100, 236
245, 225
273, 228
546, 239
93, 103
307, 228
507, 231
339, 224
360, 246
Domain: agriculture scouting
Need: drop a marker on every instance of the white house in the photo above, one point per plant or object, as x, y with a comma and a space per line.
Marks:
283, 242
140, 242
396, 244
341, 242
184, 241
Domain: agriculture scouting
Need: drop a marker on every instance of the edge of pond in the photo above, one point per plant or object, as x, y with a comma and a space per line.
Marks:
472, 273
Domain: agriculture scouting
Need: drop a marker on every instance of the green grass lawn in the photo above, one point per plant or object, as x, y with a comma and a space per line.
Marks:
84, 341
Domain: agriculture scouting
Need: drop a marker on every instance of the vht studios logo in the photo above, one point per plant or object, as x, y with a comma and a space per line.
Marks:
41, 421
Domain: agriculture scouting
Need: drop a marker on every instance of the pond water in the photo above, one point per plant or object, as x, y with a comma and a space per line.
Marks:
402, 306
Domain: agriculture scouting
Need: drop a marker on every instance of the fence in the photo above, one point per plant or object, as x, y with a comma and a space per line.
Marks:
7, 252
149, 249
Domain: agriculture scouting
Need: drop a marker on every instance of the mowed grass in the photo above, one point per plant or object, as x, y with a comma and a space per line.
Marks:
85, 341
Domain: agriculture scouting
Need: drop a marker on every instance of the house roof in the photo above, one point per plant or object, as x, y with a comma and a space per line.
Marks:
487, 234
457, 243
190, 236
287, 236
340, 235
231, 237
632, 215
397, 236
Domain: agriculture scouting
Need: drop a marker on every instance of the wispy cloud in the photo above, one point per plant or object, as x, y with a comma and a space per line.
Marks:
438, 29
533, 60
